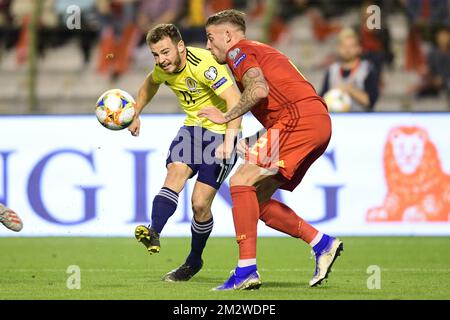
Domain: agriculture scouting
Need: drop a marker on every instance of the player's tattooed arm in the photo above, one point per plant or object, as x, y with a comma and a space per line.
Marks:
255, 89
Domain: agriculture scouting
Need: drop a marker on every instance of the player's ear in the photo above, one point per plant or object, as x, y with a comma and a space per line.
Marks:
227, 36
181, 46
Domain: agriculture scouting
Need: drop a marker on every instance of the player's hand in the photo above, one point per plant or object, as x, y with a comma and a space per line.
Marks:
135, 126
212, 114
224, 151
345, 87
242, 148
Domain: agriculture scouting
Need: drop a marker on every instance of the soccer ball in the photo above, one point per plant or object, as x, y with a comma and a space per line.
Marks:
338, 100
115, 109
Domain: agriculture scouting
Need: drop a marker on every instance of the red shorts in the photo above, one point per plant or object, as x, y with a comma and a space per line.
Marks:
291, 146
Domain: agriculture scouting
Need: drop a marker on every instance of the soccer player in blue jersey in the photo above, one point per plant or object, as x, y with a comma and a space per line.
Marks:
198, 81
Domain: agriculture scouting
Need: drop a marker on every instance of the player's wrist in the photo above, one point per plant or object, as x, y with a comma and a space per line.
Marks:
231, 134
227, 117
137, 113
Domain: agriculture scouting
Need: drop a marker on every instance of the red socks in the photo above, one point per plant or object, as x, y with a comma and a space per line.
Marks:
247, 212
245, 216
280, 217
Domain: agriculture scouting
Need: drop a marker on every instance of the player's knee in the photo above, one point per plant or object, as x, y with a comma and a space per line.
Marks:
201, 209
240, 180
178, 172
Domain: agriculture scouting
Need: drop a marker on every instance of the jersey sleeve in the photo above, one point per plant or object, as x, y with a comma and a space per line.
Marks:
214, 75
240, 59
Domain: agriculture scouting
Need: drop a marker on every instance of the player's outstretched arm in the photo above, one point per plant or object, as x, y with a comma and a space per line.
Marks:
145, 95
255, 89
231, 97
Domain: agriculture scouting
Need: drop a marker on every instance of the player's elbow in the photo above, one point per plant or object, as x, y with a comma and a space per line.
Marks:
265, 93
262, 92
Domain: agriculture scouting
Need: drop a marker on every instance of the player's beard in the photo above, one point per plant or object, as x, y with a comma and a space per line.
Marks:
349, 59
177, 63
219, 61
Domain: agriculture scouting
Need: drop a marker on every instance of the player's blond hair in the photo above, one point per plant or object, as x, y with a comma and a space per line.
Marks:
348, 33
232, 16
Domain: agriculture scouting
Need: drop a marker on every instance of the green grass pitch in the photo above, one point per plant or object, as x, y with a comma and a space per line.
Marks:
120, 268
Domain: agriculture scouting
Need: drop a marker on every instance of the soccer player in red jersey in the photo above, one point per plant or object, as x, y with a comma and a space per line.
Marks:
298, 130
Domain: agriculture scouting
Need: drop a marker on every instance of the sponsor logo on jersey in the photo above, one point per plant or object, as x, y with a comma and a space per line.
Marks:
233, 53
191, 84
211, 73
239, 60
281, 164
219, 83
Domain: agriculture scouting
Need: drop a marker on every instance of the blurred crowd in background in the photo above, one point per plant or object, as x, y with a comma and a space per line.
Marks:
363, 58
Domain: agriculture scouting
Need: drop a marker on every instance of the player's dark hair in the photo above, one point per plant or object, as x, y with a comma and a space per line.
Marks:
232, 16
163, 30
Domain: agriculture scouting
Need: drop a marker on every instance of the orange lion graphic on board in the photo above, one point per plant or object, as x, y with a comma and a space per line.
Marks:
417, 187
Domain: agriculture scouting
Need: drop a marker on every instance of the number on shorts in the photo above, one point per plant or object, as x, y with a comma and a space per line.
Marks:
261, 143
223, 173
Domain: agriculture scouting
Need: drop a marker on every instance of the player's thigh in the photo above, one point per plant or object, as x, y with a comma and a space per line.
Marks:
267, 187
177, 175
249, 174
202, 198
215, 173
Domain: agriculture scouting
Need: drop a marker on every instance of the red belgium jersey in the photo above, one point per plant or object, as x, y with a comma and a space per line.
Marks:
290, 94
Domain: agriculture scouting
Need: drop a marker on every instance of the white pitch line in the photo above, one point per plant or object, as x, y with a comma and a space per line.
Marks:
427, 270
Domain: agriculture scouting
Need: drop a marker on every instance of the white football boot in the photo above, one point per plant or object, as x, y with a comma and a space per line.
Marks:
10, 219
325, 260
